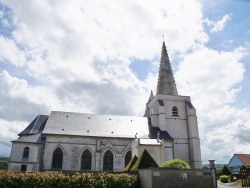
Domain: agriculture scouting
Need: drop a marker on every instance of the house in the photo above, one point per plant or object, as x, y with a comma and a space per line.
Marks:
72, 141
237, 161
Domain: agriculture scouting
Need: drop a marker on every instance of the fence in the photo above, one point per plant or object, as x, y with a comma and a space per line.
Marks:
245, 177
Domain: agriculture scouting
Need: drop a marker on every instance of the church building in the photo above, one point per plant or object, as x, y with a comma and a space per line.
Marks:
69, 141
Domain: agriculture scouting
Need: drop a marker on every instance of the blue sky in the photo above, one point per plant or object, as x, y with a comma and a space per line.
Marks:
103, 57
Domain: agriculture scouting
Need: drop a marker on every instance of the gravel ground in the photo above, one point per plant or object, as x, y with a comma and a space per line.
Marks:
228, 185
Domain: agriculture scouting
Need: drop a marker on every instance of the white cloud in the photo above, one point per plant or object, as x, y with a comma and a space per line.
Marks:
219, 25
211, 79
1, 14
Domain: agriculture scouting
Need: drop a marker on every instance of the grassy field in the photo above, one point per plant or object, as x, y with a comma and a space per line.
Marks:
4, 163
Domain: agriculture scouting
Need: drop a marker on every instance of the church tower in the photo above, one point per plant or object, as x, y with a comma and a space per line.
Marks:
175, 115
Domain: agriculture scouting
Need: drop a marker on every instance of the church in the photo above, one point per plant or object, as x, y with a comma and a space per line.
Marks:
69, 141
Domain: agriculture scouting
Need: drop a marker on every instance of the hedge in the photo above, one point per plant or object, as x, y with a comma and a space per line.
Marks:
77, 180
224, 178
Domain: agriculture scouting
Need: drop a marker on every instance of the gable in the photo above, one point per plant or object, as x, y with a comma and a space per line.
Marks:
239, 159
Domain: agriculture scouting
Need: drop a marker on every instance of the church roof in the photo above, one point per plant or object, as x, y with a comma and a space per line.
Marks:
68, 123
36, 126
153, 131
36, 138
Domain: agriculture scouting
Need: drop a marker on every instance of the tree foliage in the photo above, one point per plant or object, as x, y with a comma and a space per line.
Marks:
144, 161
225, 171
131, 164
176, 163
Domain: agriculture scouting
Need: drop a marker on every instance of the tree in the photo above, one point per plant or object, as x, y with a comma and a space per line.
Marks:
176, 163
225, 171
144, 161
130, 164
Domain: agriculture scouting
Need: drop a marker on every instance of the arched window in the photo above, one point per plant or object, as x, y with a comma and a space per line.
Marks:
108, 161
86, 160
128, 157
174, 111
26, 152
23, 168
57, 159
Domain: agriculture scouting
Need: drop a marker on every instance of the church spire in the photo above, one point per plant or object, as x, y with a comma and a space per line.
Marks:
166, 84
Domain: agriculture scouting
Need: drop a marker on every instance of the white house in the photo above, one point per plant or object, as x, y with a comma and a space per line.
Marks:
76, 141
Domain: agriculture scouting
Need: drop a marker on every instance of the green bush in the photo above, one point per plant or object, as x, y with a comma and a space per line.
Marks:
77, 180
176, 163
130, 164
225, 171
224, 178
144, 161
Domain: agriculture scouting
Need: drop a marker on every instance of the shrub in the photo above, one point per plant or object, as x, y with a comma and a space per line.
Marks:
234, 179
77, 180
144, 161
225, 171
130, 164
224, 178
176, 163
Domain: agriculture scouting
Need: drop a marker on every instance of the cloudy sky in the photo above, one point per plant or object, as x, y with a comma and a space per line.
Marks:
103, 57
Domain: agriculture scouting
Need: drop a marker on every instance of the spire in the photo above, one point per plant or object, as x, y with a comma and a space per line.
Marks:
151, 96
166, 84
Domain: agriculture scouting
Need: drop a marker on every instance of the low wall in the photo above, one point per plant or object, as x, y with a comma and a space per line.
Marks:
175, 178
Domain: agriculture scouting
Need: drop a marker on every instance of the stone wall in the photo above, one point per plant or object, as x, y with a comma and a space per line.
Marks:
73, 147
162, 178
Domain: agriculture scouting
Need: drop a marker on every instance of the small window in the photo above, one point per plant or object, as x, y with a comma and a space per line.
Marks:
57, 159
23, 168
128, 157
26, 152
108, 161
161, 103
174, 111
86, 160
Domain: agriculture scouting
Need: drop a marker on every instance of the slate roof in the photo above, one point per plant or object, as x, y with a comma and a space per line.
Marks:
36, 138
153, 131
69, 123
36, 126
245, 158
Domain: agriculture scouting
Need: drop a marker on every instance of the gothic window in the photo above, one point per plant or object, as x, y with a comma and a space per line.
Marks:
57, 159
23, 168
108, 161
86, 160
26, 152
174, 111
128, 157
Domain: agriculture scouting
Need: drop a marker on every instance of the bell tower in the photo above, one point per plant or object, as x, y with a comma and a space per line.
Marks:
174, 114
